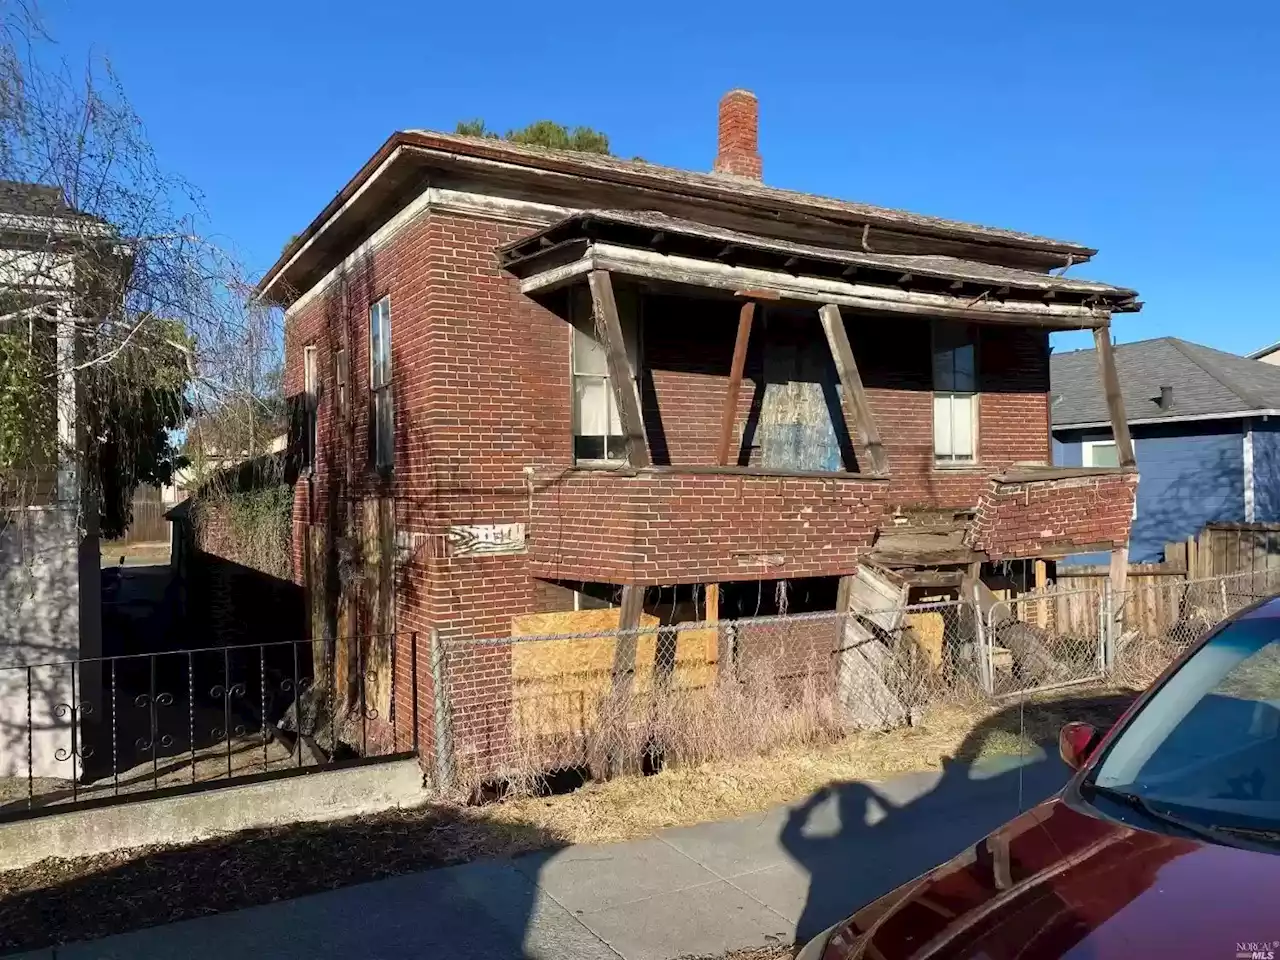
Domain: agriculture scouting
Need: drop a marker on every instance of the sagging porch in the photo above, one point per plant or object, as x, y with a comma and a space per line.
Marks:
691, 464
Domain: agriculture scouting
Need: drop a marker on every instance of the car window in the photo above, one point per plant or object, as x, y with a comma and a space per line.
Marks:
1208, 742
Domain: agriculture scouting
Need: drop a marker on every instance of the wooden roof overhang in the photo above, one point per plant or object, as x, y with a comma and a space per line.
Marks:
656, 247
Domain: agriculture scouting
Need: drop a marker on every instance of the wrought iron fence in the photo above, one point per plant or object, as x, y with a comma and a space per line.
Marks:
133, 725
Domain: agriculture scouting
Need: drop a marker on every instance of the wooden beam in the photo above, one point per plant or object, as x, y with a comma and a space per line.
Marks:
745, 316
931, 578
623, 378
1041, 582
858, 415
622, 684
685, 271
1118, 574
1115, 401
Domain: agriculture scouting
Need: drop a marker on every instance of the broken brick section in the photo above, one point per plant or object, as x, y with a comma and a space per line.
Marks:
676, 527
1019, 518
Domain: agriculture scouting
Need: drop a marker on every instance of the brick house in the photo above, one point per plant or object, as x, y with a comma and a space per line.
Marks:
534, 384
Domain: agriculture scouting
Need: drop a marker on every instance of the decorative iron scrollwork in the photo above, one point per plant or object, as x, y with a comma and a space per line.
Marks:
147, 745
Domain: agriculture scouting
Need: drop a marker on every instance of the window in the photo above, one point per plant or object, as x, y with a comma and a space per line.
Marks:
342, 378
381, 416
597, 432
955, 394
311, 401
1103, 453
1099, 453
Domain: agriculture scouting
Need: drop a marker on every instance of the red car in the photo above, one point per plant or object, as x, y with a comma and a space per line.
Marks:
1163, 844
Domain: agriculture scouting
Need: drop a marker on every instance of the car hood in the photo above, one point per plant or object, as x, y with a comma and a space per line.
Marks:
1062, 882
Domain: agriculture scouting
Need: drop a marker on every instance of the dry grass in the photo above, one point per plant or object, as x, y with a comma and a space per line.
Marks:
758, 953
772, 704
628, 807
135, 554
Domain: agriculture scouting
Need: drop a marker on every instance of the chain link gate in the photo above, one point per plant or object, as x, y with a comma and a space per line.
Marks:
1043, 641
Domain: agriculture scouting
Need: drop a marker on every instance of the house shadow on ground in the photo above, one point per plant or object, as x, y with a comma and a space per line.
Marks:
846, 844
857, 841
63, 901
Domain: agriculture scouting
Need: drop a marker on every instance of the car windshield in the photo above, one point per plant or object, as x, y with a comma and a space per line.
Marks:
1207, 745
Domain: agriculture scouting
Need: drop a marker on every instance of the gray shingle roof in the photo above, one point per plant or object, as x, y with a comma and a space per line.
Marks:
1206, 383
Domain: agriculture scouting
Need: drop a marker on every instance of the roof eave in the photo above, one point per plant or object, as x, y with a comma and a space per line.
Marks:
1185, 418
269, 287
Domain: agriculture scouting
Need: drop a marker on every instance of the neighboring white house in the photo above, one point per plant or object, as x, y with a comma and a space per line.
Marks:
50, 587
1268, 354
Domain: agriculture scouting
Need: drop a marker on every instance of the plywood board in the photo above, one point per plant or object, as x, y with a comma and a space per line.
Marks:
558, 685
928, 630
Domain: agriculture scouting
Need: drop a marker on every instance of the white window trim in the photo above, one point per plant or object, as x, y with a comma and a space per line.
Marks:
635, 346
1086, 459
975, 403
1087, 447
1250, 511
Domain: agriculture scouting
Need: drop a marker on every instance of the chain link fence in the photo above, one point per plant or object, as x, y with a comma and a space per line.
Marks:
518, 710
1044, 640
1154, 623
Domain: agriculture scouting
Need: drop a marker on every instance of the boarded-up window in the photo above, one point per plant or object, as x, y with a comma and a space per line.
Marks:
955, 393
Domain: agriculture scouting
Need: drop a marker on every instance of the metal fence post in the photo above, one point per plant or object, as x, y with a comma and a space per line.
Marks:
1106, 626
440, 738
413, 686
986, 671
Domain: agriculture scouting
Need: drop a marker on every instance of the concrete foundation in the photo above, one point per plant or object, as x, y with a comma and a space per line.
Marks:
327, 795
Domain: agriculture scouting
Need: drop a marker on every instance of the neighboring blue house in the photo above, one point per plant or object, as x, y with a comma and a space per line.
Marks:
1206, 434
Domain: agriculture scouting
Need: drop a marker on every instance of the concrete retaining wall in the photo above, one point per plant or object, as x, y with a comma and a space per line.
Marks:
327, 795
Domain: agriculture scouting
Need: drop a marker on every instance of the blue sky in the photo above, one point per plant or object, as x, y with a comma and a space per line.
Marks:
1148, 130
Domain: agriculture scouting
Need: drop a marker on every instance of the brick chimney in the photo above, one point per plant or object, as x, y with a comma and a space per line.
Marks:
739, 148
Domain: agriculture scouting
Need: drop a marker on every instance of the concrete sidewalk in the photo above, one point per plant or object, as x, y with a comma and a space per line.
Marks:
765, 879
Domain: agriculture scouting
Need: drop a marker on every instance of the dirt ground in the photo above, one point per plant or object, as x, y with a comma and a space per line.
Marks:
63, 900
135, 554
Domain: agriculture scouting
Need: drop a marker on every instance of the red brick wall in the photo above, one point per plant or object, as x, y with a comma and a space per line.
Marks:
1023, 519
691, 528
481, 381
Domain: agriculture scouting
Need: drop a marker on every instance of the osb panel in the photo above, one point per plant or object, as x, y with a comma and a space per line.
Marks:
927, 629
558, 685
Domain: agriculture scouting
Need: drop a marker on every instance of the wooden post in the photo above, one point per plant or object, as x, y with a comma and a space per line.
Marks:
713, 602
1115, 402
1118, 576
624, 670
621, 375
1042, 583
739, 363
858, 415
1192, 558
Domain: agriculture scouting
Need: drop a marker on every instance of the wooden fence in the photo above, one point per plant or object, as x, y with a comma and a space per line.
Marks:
1160, 595
149, 524
1230, 548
